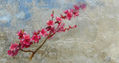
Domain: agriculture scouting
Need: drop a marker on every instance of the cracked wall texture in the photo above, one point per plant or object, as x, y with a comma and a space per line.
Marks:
96, 40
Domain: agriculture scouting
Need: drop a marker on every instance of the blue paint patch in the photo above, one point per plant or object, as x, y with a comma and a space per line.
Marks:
3, 2
20, 15
27, 16
48, 4
55, 4
80, 0
5, 18
11, 2
47, 1
25, 8
29, 1
5, 21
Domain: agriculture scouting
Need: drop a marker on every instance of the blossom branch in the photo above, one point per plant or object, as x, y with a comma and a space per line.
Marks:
53, 26
33, 53
26, 50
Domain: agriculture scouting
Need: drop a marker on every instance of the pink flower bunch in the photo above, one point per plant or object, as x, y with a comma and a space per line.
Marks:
54, 25
13, 49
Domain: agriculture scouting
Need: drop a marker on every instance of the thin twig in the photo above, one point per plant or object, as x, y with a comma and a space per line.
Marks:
26, 50
41, 45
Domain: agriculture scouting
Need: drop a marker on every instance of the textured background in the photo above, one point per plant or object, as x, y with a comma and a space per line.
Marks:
96, 40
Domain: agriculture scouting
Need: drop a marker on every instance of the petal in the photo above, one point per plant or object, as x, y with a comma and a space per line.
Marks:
9, 52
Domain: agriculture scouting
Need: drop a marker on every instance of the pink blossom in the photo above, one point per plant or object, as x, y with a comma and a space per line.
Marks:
43, 32
26, 40
71, 27
20, 34
66, 11
35, 33
83, 6
52, 15
12, 53
72, 10
36, 38
75, 26
58, 19
76, 7
48, 28
63, 17
50, 23
26, 45
76, 13
69, 15
38, 31
26, 36
14, 46
60, 27
51, 29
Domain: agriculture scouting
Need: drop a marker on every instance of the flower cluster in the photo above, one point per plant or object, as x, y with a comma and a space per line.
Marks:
54, 25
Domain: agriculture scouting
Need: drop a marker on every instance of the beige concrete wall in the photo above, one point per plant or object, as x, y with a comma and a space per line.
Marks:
96, 40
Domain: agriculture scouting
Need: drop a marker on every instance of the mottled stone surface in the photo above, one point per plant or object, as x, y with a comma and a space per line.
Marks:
96, 40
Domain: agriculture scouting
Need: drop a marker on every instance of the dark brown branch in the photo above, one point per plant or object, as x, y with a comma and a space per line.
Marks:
41, 45
26, 50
